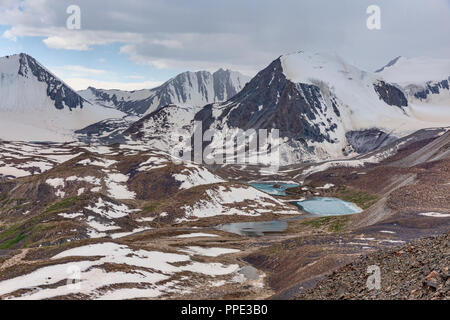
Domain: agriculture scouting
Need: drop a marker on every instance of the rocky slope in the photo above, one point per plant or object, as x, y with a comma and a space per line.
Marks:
161, 129
418, 270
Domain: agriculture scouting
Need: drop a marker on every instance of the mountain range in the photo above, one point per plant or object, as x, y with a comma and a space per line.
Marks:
186, 89
324, 107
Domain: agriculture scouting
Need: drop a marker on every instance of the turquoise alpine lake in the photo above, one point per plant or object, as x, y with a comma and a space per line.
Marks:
315, 207
328, 206
274, 188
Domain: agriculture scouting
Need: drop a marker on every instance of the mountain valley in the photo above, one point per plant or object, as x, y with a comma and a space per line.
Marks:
94, 204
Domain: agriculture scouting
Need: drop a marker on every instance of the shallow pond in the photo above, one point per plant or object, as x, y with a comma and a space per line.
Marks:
274, 188
328, 207
255, 229
314, 206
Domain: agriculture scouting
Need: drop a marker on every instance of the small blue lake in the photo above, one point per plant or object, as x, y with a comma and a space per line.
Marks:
315, 206
328, 206
274, 188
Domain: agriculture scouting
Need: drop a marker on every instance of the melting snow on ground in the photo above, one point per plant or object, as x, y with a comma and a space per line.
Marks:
116, 187
435, 214
208, 252
196, 177
146, 268
220, 201
196, 235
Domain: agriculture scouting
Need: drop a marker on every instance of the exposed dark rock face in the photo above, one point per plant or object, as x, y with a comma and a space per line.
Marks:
390, 94
271, 101
390, 64
368, 140
56, 90
432, 88
104, 96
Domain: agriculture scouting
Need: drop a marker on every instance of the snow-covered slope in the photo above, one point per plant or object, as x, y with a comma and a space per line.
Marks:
405, 71
36, 105
163, 128
186, 89
322, 106
160, 129
352, 87
426, 84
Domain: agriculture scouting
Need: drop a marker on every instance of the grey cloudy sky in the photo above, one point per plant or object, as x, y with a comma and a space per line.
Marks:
239, 34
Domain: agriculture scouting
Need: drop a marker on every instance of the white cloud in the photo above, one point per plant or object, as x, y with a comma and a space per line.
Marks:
80, 78
9, 35
244, 35
84, 40
56, 42
135, 77
81, 69
84, 83
171, 44
191, 64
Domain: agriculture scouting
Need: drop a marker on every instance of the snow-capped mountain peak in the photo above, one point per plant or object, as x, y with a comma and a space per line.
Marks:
308, 68
425, 82
36, 105
369, 97
420, 70
22, 72
186, 89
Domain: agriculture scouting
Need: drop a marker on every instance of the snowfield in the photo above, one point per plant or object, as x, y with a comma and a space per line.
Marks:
406, 71
153, 269
196, 176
